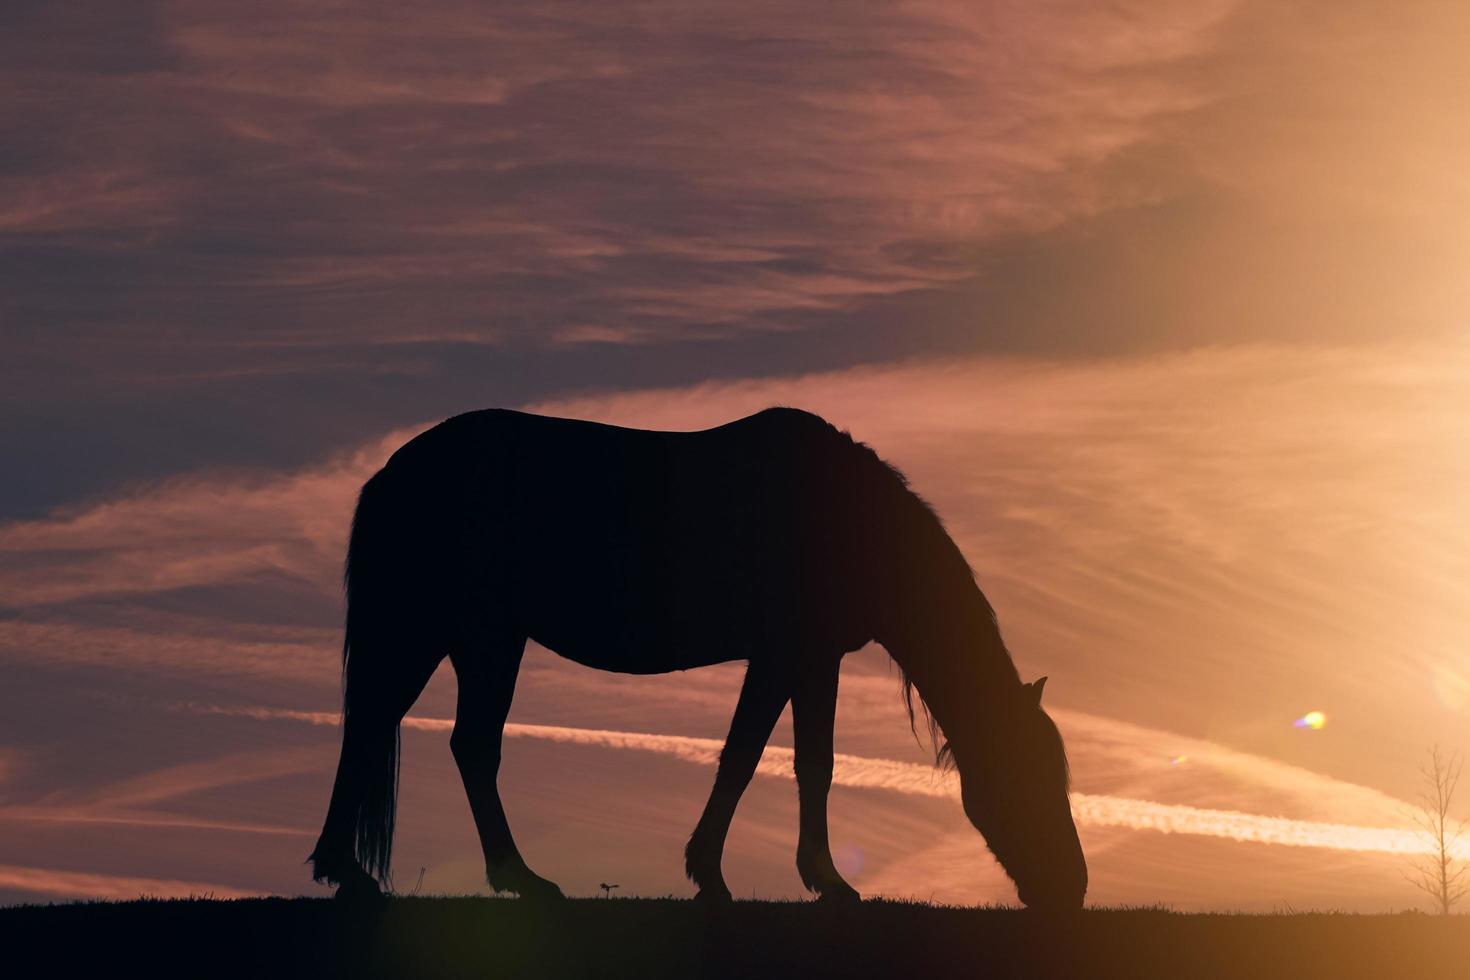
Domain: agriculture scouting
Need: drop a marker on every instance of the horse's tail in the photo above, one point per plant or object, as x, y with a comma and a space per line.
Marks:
358, 833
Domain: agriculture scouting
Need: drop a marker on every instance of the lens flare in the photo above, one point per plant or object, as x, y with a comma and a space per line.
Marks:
1313, 720
849, 859
1179, 760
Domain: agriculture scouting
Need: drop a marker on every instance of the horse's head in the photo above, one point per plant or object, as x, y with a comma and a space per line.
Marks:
1013, 778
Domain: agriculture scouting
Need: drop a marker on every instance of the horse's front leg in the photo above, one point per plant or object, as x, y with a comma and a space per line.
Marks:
813, 713
762, 698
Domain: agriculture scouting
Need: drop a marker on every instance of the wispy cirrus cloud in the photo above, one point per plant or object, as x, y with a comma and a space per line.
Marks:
143, 801
179, 534
174, 644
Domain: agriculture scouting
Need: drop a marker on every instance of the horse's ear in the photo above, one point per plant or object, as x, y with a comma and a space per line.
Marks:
1036, 687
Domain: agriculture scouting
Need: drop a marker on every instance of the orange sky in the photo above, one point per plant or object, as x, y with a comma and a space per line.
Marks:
1162, 306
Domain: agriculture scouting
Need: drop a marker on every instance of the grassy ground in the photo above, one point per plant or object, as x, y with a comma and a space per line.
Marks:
476, 937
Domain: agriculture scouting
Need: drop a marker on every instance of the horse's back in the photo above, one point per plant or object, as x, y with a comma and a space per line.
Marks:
559, 458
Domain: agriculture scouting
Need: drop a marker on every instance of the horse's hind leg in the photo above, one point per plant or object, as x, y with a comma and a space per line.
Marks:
384, 680
813, 712
487, 680
762, 699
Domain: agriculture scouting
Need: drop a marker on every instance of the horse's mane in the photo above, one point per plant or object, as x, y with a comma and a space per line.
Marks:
922, 524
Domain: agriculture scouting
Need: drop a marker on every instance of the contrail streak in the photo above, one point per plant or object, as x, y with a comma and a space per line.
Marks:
1089, 809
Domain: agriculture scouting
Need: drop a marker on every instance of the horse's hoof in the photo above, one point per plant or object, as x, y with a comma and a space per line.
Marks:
360, 891
841, 894
542, 891
519, 880
528, 887
713, 895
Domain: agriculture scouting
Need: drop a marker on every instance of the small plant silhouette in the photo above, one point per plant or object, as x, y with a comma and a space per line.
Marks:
606, 889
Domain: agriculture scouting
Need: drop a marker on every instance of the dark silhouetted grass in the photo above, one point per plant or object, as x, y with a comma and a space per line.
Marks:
478, 937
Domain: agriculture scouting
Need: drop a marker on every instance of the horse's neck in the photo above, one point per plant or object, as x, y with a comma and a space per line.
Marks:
948, 644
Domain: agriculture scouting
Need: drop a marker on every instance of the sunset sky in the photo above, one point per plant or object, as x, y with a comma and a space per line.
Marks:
1162, 305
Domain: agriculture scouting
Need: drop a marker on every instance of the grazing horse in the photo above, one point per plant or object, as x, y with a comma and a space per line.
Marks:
775, 539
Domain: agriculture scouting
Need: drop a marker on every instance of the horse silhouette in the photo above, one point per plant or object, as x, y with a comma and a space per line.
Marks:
775, 539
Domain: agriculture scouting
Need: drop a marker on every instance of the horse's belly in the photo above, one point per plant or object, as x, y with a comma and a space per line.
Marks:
615, 657
623, 624
637, 646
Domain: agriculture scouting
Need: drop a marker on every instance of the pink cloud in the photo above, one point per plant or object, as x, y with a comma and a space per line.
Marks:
472, 154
